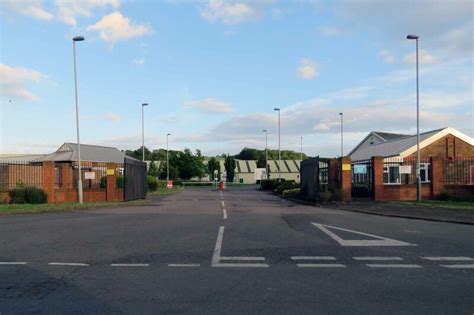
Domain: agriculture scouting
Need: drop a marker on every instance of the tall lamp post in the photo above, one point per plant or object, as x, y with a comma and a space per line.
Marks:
418, 179
342, 134
79, 180
143, 131
167, 159
301, 152
279, 152
266, 152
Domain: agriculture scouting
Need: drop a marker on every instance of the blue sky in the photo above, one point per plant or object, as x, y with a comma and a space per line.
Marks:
212, 72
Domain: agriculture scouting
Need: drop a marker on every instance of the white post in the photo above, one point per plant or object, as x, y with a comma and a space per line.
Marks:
79, 181
167, 160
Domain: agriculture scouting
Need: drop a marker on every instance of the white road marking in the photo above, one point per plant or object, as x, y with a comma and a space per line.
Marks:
449, 258
321, 265
313, 258
68, 264
223, 204
377, 258
381, 241
184, 265
216, 257
393, 266
129, 265
13, 263
242, 258
471, 266
224, 214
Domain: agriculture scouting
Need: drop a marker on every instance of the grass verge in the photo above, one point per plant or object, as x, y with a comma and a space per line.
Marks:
464, 205
6, 209
163, 191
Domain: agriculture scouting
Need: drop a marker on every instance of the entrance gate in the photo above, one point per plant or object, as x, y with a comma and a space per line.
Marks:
362, 186
135, 179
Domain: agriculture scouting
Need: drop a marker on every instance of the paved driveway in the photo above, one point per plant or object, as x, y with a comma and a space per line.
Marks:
241, 251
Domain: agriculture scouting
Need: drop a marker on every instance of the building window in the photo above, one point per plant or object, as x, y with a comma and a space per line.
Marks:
391, 174
425, 172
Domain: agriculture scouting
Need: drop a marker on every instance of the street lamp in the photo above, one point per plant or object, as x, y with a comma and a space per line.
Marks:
266, 152
342, 134
167, 159
79, 180
143, 131
301, 152
418, 179
279, 153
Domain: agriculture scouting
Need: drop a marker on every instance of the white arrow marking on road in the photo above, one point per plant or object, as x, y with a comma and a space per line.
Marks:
381, 241
216, 257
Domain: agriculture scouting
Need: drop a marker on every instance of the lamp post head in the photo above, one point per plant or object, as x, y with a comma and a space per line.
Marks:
341, 114
277, 109
168, 134
78, 38
264, 130
412, 36
145, 104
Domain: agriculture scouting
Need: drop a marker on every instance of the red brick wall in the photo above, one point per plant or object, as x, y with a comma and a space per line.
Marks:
448, 146
346, 180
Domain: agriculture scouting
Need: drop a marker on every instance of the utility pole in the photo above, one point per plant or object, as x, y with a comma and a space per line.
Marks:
79, 180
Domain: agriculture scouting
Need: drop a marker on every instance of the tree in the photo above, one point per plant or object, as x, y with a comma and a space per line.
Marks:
153, 169
229, 164
261, 161
163, 171
188, 164
213, 165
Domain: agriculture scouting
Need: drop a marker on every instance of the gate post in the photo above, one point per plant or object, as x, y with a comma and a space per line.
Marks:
110, 192
346, 178
332, 176
49, 179
377, 177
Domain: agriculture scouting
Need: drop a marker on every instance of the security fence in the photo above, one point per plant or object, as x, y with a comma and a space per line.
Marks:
398, 171
17, 174
362, 185
313, 177
459, 171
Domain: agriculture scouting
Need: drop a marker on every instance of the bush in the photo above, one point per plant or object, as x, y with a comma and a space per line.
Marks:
103, 182
152, 183
286, 185
119, 182
325, 196
291, 192
28, 195
336, 195
267, 184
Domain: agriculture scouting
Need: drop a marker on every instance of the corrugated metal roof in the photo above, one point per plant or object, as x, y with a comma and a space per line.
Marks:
387, 136
91, 153
390, 148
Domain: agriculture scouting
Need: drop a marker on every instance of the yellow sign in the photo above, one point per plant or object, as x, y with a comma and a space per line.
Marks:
112, 171
346, 167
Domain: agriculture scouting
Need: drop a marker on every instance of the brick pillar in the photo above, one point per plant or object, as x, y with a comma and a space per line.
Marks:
48, 180
65, 176
437, 183
377, 177
332, 176
346, 178
111, 181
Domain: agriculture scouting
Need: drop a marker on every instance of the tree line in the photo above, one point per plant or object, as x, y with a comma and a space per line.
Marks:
187, 164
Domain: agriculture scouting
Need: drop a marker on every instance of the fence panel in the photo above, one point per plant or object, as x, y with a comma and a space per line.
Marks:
459, 171
94, 175
20, 174
135, 179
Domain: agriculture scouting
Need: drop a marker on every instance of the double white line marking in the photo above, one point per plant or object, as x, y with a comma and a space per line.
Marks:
456, 259
317, 265
371, 258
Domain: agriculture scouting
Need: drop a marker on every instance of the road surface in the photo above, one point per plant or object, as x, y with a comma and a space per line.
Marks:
240, 251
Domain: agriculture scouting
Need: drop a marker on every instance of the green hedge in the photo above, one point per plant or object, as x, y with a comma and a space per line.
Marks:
291, 192
152, 183
28, 195
119, 182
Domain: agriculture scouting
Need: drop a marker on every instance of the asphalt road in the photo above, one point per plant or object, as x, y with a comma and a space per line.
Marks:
185, 254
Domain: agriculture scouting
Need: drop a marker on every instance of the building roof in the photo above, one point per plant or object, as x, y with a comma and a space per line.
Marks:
387, 136
89, 153
19, 157
406, 145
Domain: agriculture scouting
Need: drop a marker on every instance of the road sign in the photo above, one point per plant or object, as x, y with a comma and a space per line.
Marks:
360, 169
169, 184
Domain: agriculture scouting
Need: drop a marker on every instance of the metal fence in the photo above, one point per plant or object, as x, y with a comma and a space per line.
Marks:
313, 177
458, 171
20, 174
135, 179
397, 171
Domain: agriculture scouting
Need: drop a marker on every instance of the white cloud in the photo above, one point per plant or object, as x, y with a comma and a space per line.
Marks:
228, 12
112, 117
30, 8
70, 10
329, 31
115, 27
209, 105
307, 69
138, 61
14, 81
386, 56
423, 56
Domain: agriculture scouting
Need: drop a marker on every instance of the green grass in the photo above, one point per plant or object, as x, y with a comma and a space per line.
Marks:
465, 205
163, 191
6, 209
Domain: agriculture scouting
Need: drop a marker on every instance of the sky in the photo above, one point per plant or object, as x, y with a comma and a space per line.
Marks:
213, 71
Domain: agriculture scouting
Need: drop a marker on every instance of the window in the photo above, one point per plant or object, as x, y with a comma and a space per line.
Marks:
425, 172
391, 174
